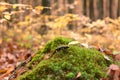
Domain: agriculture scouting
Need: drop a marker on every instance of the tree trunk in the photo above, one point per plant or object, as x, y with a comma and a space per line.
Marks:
96, 10
106, 8
79, 7
119, 8
60, 7
114, 8
65, 6
21, 15
52, 5
87, 7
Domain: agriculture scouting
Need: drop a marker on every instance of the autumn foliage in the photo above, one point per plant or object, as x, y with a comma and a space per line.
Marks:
25, 29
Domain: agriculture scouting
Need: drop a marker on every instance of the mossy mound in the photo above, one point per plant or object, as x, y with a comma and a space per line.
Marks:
66, 64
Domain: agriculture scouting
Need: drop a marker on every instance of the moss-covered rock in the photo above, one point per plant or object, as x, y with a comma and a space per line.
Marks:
66, 64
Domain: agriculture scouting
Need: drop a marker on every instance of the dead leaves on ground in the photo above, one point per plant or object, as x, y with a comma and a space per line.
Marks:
114, 72
11, 53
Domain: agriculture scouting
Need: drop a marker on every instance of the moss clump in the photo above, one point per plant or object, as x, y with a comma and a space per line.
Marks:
49, 48
66, 64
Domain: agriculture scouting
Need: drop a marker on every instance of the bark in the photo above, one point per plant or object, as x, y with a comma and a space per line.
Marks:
106, 8
79, 7
52, 5
114, 8
96, 10
88, 7
118, 8
65, 2
60, 7
21, 15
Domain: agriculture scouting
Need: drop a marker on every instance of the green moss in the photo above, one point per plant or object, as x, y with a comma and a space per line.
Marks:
49, 47
70, 75
65, 64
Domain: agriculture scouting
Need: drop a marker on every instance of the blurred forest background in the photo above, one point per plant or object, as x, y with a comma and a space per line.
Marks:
26, 25
92, 8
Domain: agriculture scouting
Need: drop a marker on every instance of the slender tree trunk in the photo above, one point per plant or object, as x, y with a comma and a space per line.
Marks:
96, 10
79, 6
88, 7
106, 8
60, 7
114, 8
119, 8
21, 15
91, 9
65, 6
52, 5
40, 2
31, 2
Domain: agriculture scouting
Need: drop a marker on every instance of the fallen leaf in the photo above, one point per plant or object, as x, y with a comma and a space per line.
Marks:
7, 16
2, 71
114, 67
73, 43
116, 52
106, 51
114, 72
106, 57
9, 70
117, 57
84, 45
78, 76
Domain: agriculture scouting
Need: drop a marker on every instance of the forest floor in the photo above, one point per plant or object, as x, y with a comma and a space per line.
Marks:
104, 34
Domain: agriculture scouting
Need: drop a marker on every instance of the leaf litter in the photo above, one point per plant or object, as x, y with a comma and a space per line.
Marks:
103, 35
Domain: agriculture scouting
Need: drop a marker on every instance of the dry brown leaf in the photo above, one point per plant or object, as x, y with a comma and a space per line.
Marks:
108, 52
117, 57
78, 76
9, 70
114, 67
2, 71
114, 72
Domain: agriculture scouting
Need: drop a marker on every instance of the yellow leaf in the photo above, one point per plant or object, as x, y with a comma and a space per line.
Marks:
7, 16
25, 23
14, 6
20, 5
2, 8
39, 8
74, 43
27, 18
